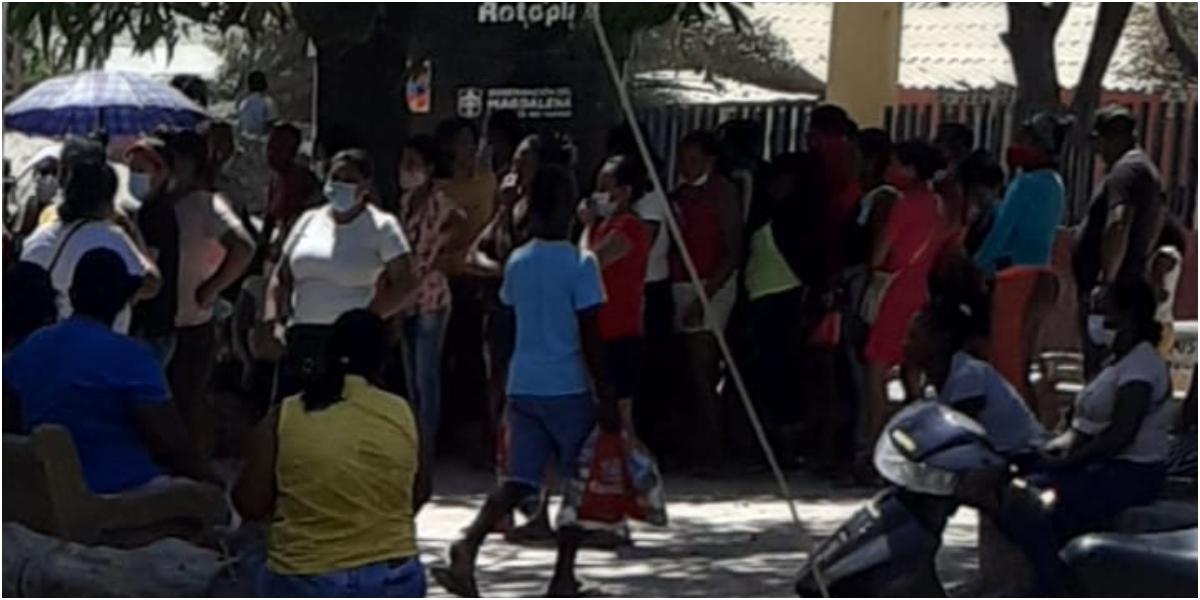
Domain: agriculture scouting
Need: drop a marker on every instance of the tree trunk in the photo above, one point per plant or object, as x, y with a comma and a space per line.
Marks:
1032, 28
360, 89
1175, 39
1110, 22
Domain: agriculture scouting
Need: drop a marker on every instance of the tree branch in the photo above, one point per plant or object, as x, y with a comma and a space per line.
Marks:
1110, 21
1183, 51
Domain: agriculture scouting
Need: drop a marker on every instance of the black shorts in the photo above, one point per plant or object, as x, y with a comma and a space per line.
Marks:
624, 358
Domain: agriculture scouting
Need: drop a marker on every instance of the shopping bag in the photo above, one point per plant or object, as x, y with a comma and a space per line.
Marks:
618, 479
651, 504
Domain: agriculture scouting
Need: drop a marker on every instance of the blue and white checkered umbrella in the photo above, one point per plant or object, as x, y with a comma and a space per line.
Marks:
119, 103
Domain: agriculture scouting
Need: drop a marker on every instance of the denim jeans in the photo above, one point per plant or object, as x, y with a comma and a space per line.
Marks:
424, 337
386, 579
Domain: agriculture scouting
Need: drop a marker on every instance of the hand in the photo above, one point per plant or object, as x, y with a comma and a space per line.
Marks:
585, 214
1098, 298
608, 416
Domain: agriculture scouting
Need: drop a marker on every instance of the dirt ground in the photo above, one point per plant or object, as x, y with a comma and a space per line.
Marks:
731, 537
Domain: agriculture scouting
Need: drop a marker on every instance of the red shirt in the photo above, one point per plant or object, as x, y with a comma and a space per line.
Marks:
288, 193
624, 280
700, 222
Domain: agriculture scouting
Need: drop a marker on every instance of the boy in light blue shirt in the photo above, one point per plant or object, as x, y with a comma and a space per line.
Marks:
557, 388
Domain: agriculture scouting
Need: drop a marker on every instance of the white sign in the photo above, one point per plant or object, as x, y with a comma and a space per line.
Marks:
528, 14
470, 102
531, 103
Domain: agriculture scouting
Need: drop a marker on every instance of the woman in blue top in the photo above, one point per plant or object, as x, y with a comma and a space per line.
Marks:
1026, 221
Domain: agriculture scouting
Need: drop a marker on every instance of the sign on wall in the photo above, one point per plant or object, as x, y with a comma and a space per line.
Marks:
528, 103
528, 14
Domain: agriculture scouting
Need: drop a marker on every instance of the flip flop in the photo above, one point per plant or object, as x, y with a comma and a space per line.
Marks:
455, 583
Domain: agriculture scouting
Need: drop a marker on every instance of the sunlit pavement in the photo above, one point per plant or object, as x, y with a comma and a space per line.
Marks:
729, 537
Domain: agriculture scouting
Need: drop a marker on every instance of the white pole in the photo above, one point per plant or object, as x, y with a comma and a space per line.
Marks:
693, 275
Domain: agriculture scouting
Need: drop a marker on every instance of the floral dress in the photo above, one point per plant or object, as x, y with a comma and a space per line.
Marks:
425, 225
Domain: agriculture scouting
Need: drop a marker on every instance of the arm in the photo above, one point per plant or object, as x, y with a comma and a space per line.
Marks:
730, 214
239, 251
1114, 241
277, 301
593, 355
254, 492
612, 248
400, 281
1132, 405
1007, 217
162, 430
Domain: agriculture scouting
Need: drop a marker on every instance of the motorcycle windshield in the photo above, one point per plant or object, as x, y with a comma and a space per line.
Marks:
912, 453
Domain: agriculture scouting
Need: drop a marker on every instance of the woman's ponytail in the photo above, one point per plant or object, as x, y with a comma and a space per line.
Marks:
358, 345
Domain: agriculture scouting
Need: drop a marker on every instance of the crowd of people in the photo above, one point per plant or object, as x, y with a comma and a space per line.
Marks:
832, 270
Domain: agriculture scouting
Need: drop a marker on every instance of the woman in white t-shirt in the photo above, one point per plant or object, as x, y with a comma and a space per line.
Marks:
345, 255
89, 220
1113, 456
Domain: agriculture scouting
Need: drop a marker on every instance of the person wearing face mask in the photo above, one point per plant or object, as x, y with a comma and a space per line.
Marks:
342, 256
427, 216
1113, 456
87, 220
1027, 219
215, 249
149, 163
900, 264
711, 226
621, 243
830, 137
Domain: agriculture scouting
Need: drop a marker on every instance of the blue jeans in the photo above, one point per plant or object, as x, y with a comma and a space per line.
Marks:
424, 337
545, 428
386, 579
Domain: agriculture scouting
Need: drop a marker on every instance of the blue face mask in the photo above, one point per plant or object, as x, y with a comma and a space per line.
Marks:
342, 196
139, 185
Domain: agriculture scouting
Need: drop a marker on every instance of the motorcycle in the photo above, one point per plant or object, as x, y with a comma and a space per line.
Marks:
888, 547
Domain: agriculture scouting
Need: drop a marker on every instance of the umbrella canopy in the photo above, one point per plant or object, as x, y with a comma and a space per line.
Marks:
119, 103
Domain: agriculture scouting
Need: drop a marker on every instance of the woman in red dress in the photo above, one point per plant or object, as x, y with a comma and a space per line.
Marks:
906, 253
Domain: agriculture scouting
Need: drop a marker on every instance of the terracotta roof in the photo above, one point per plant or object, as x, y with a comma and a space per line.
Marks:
954, 46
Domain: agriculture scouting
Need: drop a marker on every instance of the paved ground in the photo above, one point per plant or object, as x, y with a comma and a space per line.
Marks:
726, 538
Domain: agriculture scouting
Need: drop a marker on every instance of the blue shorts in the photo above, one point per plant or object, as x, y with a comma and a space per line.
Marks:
545, 428
386, 579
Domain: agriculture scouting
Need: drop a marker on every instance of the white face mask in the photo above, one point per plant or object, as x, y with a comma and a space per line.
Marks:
411, 180
47, 186
139, 185
603, 205
1098, 333
699, 181
342, 196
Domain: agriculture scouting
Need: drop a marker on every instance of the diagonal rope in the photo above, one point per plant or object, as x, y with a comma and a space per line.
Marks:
693, 275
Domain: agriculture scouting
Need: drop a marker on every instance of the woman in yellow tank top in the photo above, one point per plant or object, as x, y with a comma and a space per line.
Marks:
338, 472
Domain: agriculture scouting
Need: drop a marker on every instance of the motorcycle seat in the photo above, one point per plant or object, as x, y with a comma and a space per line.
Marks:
1153, 565
1163, 515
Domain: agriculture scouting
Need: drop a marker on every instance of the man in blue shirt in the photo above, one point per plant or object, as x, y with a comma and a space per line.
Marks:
555, 379
106, 389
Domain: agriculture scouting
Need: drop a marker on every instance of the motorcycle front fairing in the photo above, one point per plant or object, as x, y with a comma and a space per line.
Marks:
879, 549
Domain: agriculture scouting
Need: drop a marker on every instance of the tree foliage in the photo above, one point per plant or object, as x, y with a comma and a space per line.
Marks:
719, 48
281, 53
1163, 44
